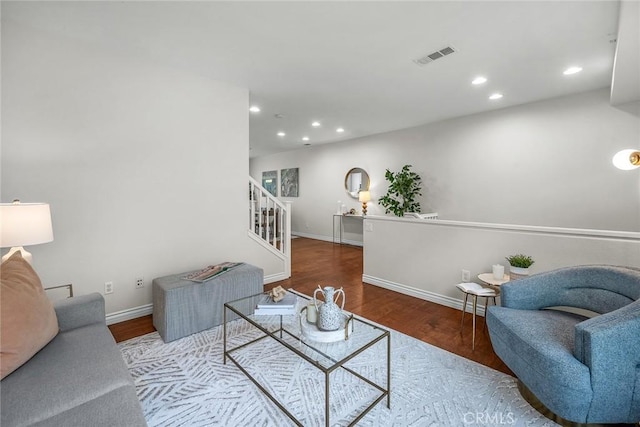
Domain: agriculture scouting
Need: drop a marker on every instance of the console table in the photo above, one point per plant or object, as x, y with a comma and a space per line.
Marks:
340, 225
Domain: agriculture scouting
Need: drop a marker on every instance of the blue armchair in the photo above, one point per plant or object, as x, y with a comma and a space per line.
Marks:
584, 369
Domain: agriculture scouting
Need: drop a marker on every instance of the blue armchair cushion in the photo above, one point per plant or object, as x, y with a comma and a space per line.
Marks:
537, 345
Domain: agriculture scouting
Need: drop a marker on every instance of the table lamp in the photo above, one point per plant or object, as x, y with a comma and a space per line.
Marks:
24, 224
364, 197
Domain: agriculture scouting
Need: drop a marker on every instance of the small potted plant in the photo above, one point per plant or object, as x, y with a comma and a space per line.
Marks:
519, 265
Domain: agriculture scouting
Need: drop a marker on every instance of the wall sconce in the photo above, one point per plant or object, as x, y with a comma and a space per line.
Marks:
364, 197
24, 224
627, 159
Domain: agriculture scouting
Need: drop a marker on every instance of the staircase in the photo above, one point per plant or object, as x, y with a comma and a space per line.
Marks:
270, 223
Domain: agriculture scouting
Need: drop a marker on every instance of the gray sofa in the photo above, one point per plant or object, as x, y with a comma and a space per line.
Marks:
78, 379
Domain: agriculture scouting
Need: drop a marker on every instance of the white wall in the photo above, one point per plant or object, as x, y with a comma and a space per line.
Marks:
547, 163
145, 167
432, 254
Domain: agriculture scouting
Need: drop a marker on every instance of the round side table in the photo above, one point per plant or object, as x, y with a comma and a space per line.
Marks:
475, 290
492, 281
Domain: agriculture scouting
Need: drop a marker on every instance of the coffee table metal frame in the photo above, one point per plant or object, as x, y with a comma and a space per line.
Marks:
277, 335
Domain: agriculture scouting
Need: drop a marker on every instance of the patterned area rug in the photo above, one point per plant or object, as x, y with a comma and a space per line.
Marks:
185, 383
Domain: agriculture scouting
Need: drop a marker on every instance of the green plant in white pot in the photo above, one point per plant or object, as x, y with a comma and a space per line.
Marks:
519, 265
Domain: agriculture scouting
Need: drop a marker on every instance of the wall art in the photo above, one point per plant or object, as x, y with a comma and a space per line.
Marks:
270, 182
289, 179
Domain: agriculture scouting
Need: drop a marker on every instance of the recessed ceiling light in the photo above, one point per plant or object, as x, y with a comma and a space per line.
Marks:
340, 130
315, 124
479, 80
305, 138
254, 109
281, 134
571, 70
495, 96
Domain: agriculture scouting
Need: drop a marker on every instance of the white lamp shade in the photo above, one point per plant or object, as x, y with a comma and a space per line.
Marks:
24, 224
364, 196
622, 159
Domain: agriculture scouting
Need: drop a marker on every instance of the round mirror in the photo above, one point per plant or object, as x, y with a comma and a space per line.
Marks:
355, 181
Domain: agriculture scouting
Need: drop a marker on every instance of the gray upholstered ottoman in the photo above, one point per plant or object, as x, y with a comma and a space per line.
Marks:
182, 307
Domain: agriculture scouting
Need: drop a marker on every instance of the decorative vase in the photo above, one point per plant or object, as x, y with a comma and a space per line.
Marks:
517, 272
330, 316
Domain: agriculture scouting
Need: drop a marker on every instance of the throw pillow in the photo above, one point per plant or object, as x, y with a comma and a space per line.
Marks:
28, 320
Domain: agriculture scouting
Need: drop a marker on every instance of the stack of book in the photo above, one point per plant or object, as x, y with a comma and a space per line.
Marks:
266, 306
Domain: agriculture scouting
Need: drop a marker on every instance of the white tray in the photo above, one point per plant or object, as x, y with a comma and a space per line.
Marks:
310, 330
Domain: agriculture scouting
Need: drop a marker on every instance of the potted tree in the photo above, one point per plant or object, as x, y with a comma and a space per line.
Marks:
404, 187
519, 265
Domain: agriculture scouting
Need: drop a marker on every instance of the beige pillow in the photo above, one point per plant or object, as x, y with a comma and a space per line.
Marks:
28, 319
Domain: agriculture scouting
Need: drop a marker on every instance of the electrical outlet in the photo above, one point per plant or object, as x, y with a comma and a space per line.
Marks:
140, 283
108, 288
466, 275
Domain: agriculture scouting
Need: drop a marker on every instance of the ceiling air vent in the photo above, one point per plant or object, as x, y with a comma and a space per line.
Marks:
435, 55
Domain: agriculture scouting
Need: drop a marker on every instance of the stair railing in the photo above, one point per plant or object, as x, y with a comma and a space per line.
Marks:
270, 221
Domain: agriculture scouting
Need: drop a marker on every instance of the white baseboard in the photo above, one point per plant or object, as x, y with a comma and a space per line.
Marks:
275, 278
352, 242
326, 239
311, 236
144, 310
130, 313
422, 294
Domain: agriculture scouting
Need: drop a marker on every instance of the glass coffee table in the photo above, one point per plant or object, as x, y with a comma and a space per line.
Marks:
287, 331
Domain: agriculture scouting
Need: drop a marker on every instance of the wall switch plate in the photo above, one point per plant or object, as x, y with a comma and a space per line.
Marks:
140, 282
108, 288
368, 226
466, 275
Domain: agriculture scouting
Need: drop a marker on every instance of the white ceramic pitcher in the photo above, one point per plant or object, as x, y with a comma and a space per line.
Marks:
330, 316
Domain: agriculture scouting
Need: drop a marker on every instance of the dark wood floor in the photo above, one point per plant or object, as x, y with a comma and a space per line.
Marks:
315, 262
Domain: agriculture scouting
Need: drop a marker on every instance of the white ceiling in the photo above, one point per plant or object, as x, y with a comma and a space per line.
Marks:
350, 64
